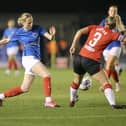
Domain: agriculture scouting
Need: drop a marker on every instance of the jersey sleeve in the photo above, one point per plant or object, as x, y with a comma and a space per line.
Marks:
102, 23
117, 36
42, 30
90, 27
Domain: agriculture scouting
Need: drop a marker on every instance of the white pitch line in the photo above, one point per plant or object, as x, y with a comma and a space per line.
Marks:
63, 117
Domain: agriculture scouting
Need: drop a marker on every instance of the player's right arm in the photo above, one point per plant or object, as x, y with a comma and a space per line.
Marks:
77, 36
4, 41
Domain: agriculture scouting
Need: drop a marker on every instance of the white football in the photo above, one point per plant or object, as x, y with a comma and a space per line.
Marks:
85, 83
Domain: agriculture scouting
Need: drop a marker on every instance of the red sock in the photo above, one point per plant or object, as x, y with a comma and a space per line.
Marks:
108, 73
10, 64
14, 65
107, 86
115, 76
13, 92
74, 85
47, 86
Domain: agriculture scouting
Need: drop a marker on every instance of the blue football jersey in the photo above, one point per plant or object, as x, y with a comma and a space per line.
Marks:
30, 39
113, 44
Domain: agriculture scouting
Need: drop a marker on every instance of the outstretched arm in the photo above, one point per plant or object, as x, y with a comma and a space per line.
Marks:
4, 41
76, 39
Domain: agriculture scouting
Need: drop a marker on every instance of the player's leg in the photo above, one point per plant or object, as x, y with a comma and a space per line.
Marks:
110, 68
106, 54
118, 67
97, 73
107, 88
115, 77
25, 86
41, 70
100, 75
78, 75
110, 65
74, 88
28, 79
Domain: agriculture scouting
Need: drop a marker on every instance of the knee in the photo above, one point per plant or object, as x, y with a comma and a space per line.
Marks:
24, 88
47, 74
76, 80
105, 86
11, 57
109, 66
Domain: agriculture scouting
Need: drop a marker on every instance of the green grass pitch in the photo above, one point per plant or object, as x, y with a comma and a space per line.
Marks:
92, 108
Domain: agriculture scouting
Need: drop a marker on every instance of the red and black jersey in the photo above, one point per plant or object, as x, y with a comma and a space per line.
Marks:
98, 39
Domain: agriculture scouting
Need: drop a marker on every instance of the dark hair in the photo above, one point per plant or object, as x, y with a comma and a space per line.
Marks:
113, 5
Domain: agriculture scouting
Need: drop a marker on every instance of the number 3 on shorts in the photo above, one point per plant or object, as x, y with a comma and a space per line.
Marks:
97, 37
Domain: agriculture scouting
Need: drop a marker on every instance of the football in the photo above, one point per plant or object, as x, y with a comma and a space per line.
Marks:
85, 83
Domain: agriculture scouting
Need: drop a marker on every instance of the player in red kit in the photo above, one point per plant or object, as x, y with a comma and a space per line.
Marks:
89, 57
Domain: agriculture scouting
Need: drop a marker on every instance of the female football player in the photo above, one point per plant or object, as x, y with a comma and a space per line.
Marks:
112, 52
29, 36
89, 56
11, 47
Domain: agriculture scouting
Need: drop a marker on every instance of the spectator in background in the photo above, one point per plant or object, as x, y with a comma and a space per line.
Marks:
12, 47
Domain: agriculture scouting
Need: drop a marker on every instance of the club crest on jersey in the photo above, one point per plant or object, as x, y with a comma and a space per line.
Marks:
35, 35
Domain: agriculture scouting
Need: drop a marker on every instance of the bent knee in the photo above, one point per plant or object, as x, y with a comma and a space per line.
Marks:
46, 75
24, 89
77, 79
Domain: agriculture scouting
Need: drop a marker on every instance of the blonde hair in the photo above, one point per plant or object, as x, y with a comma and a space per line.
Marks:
119, 24
23, 18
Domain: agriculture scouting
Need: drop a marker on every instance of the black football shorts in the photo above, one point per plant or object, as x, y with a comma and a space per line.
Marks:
81, 65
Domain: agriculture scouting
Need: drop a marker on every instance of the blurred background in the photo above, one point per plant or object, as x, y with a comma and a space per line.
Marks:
66, 16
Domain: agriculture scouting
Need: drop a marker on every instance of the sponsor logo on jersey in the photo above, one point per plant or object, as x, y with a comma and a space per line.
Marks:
89, 48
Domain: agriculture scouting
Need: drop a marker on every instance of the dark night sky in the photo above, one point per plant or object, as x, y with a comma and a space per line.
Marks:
59, 5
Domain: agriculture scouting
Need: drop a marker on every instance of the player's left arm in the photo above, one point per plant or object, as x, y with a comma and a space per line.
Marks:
51, 34
119, 37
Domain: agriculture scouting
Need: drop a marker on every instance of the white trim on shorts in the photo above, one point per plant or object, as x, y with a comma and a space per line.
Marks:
115, 51
28, 62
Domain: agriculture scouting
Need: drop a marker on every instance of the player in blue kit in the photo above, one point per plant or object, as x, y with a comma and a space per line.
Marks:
112, 52
12, 47
29, 36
